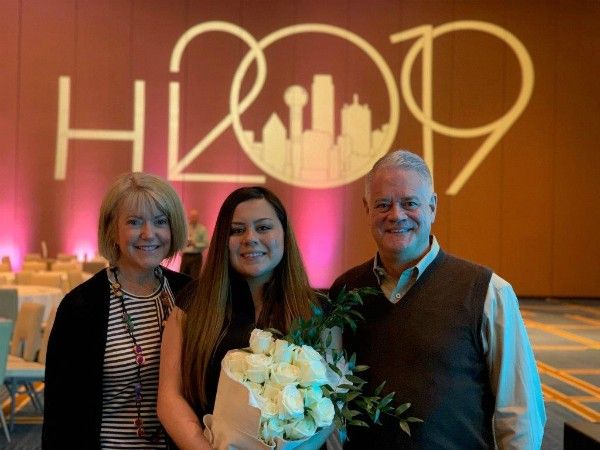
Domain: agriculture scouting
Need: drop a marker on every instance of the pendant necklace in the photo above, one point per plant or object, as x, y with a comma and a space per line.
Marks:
165, 306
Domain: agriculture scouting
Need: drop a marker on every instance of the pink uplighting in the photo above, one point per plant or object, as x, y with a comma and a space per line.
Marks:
318, 228
80, 236
13, 237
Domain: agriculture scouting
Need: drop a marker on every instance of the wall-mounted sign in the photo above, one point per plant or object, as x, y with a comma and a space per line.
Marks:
336, 146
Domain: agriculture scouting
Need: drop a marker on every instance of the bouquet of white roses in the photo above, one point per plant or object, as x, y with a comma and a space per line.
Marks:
294, 389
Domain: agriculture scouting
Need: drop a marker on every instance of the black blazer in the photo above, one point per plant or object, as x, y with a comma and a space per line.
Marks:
74, 364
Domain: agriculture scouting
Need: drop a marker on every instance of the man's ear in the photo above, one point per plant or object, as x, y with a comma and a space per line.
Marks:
433, 206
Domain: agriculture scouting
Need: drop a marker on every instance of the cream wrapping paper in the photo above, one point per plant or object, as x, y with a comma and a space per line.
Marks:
234, 423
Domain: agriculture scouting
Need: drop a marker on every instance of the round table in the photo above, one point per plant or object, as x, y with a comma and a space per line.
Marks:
47, 296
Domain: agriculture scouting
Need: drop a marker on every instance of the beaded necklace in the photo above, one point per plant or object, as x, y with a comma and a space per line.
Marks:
166, 306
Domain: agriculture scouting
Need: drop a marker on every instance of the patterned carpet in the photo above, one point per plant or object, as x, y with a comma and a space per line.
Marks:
566, 341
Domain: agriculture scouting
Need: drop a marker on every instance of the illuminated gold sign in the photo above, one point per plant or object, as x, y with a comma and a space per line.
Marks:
310, 154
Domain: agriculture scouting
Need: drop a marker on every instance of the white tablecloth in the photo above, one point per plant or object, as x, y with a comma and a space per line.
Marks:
7, 278
45, 295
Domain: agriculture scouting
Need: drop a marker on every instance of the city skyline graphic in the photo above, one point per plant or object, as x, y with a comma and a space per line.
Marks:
315, 154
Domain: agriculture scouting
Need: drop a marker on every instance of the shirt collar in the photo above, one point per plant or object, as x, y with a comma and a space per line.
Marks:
419, 268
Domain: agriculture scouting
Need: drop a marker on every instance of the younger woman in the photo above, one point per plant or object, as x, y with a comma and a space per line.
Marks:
253, 277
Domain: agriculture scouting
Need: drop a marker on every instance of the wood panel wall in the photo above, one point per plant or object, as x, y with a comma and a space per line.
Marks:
530, 211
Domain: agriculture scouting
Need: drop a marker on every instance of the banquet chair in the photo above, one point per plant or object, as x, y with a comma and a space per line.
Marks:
4, 280
9, 303
5, 331
26, 338
34, 266
5, 266
33, 257
94, 266
23, 277
65, 266
75, 278
46, 335
6, 262
23, 373
51, 279
66, 257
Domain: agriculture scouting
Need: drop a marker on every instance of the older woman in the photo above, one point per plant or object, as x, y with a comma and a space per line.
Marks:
253, 276
103, 354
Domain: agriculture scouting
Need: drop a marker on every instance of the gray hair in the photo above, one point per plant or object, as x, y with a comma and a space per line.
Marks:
400, 159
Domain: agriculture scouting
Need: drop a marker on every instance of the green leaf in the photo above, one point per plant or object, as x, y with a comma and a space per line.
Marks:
354, 379
327, 391
387, 399
347, 413
341, 295
359, 423
400, 409
360, 368
354, 412
352, 361
362, 403
379, 388
357, 314
404, 427
351, 323
413, 419
375, 416
351, 396
335, 369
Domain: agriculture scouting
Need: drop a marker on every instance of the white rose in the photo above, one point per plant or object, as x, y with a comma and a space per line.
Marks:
235, 365
284, 373
306, 353
269, 409
260, 341
270, 429
256, 390
283, 351
291, 403
323, 412
300, 429
272, 392
271, 397
312, 394
313, 369
258, 367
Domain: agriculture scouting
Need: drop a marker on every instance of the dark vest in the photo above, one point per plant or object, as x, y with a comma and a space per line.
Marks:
428, 349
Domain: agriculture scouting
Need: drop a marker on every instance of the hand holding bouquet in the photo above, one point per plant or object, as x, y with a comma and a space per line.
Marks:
288, 392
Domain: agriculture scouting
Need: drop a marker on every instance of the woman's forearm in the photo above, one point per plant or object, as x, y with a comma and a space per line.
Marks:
182, 424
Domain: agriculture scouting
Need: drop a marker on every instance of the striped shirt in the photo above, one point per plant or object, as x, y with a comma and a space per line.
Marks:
119, 411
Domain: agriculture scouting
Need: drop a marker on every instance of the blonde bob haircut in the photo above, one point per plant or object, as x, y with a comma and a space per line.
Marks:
137, 191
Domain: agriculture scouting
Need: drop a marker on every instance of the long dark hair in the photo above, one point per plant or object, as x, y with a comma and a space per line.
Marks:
286, 296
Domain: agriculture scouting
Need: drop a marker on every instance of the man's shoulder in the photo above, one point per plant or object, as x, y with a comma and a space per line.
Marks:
361, 269
464, 264
357, 276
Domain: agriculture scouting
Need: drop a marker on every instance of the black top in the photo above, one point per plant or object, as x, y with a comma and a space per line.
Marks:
236, 335
74, 364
